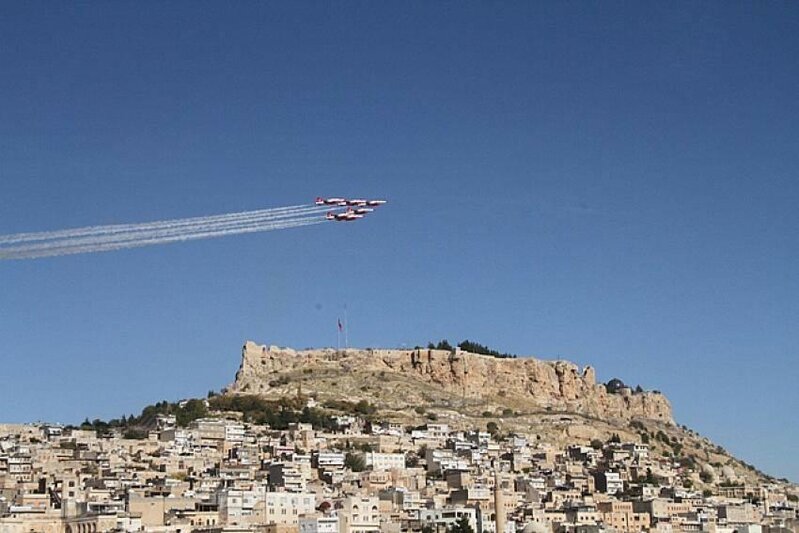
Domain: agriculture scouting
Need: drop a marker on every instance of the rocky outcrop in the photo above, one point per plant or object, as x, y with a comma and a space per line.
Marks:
525, 383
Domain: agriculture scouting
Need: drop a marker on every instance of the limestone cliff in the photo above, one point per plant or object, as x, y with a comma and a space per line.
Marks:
397, 379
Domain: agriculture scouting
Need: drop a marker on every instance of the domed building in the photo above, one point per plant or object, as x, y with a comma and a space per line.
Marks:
615, 385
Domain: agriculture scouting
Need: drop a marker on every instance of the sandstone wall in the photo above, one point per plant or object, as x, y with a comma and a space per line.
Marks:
558, 385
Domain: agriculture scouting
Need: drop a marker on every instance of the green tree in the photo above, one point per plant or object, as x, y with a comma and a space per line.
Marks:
443, 344
476, 347
191, 411
650, 478
364, 408
461, 526
134, 433
355, 462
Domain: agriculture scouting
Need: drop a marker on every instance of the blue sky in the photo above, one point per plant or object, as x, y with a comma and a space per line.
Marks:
612, 183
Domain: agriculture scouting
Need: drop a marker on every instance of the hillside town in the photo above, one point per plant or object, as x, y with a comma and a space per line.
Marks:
223, 474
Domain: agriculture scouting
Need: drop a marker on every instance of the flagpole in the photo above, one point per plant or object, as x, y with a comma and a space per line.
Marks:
346, 330
338, 336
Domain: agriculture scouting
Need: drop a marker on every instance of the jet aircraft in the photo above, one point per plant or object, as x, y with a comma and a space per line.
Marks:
342, 202
347, 216
330, 201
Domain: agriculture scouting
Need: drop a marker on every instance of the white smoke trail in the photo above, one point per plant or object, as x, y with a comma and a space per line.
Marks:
119, 228
138, 234
122, 228
67, 249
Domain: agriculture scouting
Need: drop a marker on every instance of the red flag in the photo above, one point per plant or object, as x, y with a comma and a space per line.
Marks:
340, 327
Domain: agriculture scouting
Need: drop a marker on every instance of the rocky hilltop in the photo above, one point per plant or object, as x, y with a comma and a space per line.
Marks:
396, 380
552, 402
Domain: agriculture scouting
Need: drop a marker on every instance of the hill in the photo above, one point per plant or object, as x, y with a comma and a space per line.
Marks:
551, 401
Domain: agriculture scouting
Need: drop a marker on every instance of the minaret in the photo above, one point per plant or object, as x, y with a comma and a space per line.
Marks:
499, 504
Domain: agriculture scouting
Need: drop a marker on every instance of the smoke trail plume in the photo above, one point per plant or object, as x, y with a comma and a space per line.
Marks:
122, 228
120, 236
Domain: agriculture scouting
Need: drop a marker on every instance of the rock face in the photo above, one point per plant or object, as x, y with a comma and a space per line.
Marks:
523, 383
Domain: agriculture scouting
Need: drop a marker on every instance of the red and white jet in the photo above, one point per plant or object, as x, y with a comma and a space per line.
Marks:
362, 210
347, 216
354, 202
330, 201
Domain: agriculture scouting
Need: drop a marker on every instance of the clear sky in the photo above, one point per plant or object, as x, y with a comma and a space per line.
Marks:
613, 183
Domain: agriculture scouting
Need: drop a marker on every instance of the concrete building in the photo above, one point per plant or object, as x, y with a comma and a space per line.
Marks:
287, 507
442, 519
621, 516
359, 514
318, 524
608, 482
385, 461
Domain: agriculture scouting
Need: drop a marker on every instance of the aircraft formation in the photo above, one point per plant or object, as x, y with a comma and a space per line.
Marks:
356, 208
110, 237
